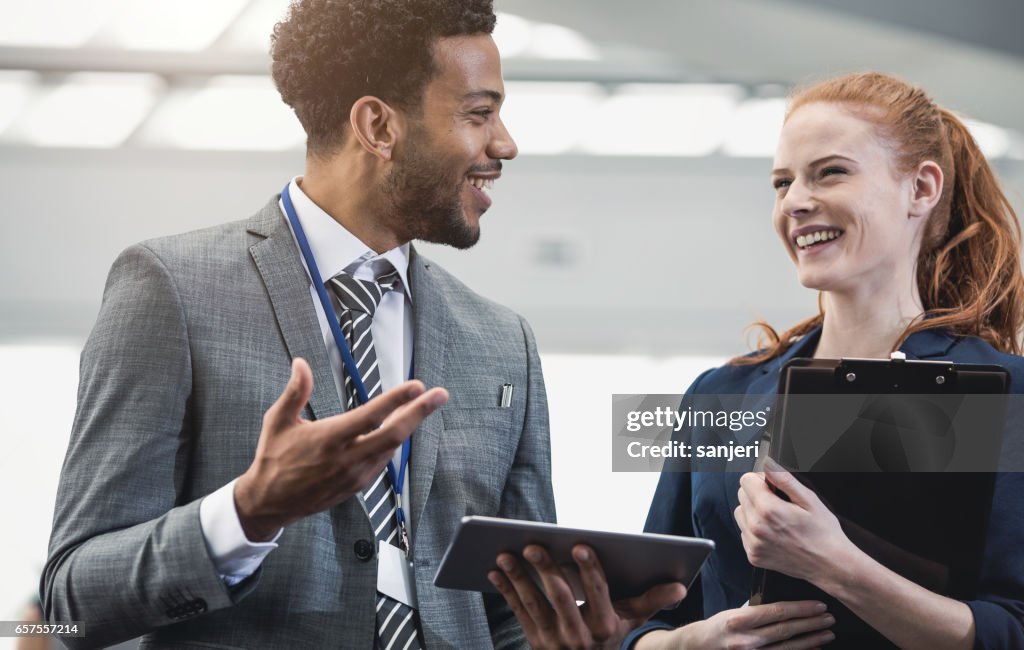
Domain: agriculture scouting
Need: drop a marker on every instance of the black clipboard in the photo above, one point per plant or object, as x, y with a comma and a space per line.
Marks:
900, 493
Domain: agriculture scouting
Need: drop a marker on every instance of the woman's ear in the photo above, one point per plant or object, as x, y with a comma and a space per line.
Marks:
376, 126
926, 187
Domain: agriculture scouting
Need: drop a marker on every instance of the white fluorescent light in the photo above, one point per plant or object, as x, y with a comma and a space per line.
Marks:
512, 34
181, 25
1016, 151
557, 42
52, 23
993, 141
546, 118
230, 113
16, 87
251, 30
92, 109
662, 120
754, 129
519, 37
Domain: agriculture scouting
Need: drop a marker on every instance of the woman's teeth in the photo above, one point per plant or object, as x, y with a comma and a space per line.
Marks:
806, 241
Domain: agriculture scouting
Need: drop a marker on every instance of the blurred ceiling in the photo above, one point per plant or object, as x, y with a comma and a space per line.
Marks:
645, 129
968, 54
140, 73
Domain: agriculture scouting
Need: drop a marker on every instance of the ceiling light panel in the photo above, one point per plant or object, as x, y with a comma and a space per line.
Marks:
518, 37
557, 42
52, 23
181, 25
251, 30
993, 141
91, 109
547, 118
229, 113
662, 120
16, 89
753, 130
512, 34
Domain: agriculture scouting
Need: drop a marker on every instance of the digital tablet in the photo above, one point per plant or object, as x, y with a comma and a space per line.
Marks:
632, 562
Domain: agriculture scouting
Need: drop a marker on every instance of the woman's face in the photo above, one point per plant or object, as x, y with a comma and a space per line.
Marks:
841, 208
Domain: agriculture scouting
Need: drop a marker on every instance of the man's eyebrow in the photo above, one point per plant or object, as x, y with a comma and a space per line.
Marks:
817, 162
493, 95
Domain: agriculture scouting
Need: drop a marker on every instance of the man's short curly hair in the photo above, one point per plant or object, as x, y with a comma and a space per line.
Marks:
329, 53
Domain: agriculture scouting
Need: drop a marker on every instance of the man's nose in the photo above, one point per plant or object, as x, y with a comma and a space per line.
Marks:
502, 146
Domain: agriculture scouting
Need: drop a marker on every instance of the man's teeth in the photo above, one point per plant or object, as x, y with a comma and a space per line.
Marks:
481, 183
803, 241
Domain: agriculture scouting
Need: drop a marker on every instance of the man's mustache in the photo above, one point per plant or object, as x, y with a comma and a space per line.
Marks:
485, 169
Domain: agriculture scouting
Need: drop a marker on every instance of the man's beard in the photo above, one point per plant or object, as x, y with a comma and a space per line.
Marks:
423, 201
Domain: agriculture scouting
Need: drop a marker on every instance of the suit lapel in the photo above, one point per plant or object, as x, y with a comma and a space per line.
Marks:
430, 331
279, 263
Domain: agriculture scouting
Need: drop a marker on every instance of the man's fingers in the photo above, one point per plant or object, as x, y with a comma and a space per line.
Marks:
529, 595
402, 422
558, 592
642, 607
761, 615
287, 410
371, 415
600, 614
505, 588
368, 417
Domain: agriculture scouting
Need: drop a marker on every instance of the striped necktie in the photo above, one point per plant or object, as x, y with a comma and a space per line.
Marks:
397, 624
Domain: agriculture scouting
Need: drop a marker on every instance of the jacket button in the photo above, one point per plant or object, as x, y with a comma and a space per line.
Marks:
364, 550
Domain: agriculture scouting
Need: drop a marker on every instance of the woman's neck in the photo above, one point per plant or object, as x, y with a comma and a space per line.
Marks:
866, 324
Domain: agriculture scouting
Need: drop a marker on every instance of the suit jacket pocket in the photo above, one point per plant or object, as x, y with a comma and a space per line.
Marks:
478, 446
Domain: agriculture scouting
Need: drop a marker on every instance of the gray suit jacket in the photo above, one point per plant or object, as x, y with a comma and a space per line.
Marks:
192, 344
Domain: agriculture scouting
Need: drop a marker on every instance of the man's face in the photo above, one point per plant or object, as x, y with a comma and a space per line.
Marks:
452, 151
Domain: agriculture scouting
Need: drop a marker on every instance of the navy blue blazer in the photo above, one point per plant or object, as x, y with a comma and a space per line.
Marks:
701, 504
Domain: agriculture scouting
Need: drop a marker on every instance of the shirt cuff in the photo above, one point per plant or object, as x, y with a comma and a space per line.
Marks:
234, 556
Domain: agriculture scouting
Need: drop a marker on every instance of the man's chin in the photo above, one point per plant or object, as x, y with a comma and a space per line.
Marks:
460, 237
464, 240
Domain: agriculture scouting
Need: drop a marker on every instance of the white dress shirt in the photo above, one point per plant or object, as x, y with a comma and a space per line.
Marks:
335, 249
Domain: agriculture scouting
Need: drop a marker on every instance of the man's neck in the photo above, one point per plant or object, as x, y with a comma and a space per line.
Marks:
345, 198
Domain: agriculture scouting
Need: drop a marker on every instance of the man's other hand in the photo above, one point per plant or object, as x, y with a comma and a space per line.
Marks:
303, 467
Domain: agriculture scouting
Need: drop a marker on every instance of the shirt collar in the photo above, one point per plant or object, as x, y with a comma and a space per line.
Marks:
336, 249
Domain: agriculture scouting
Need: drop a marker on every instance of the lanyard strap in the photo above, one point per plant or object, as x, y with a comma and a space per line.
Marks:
397, 481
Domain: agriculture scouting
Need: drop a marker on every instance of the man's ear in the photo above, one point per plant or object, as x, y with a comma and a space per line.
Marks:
926, 187
376, 126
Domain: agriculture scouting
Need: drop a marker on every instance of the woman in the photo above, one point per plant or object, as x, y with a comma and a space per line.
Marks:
887, 207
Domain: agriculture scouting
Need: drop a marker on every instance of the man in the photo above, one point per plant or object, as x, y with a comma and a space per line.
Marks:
195, 509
